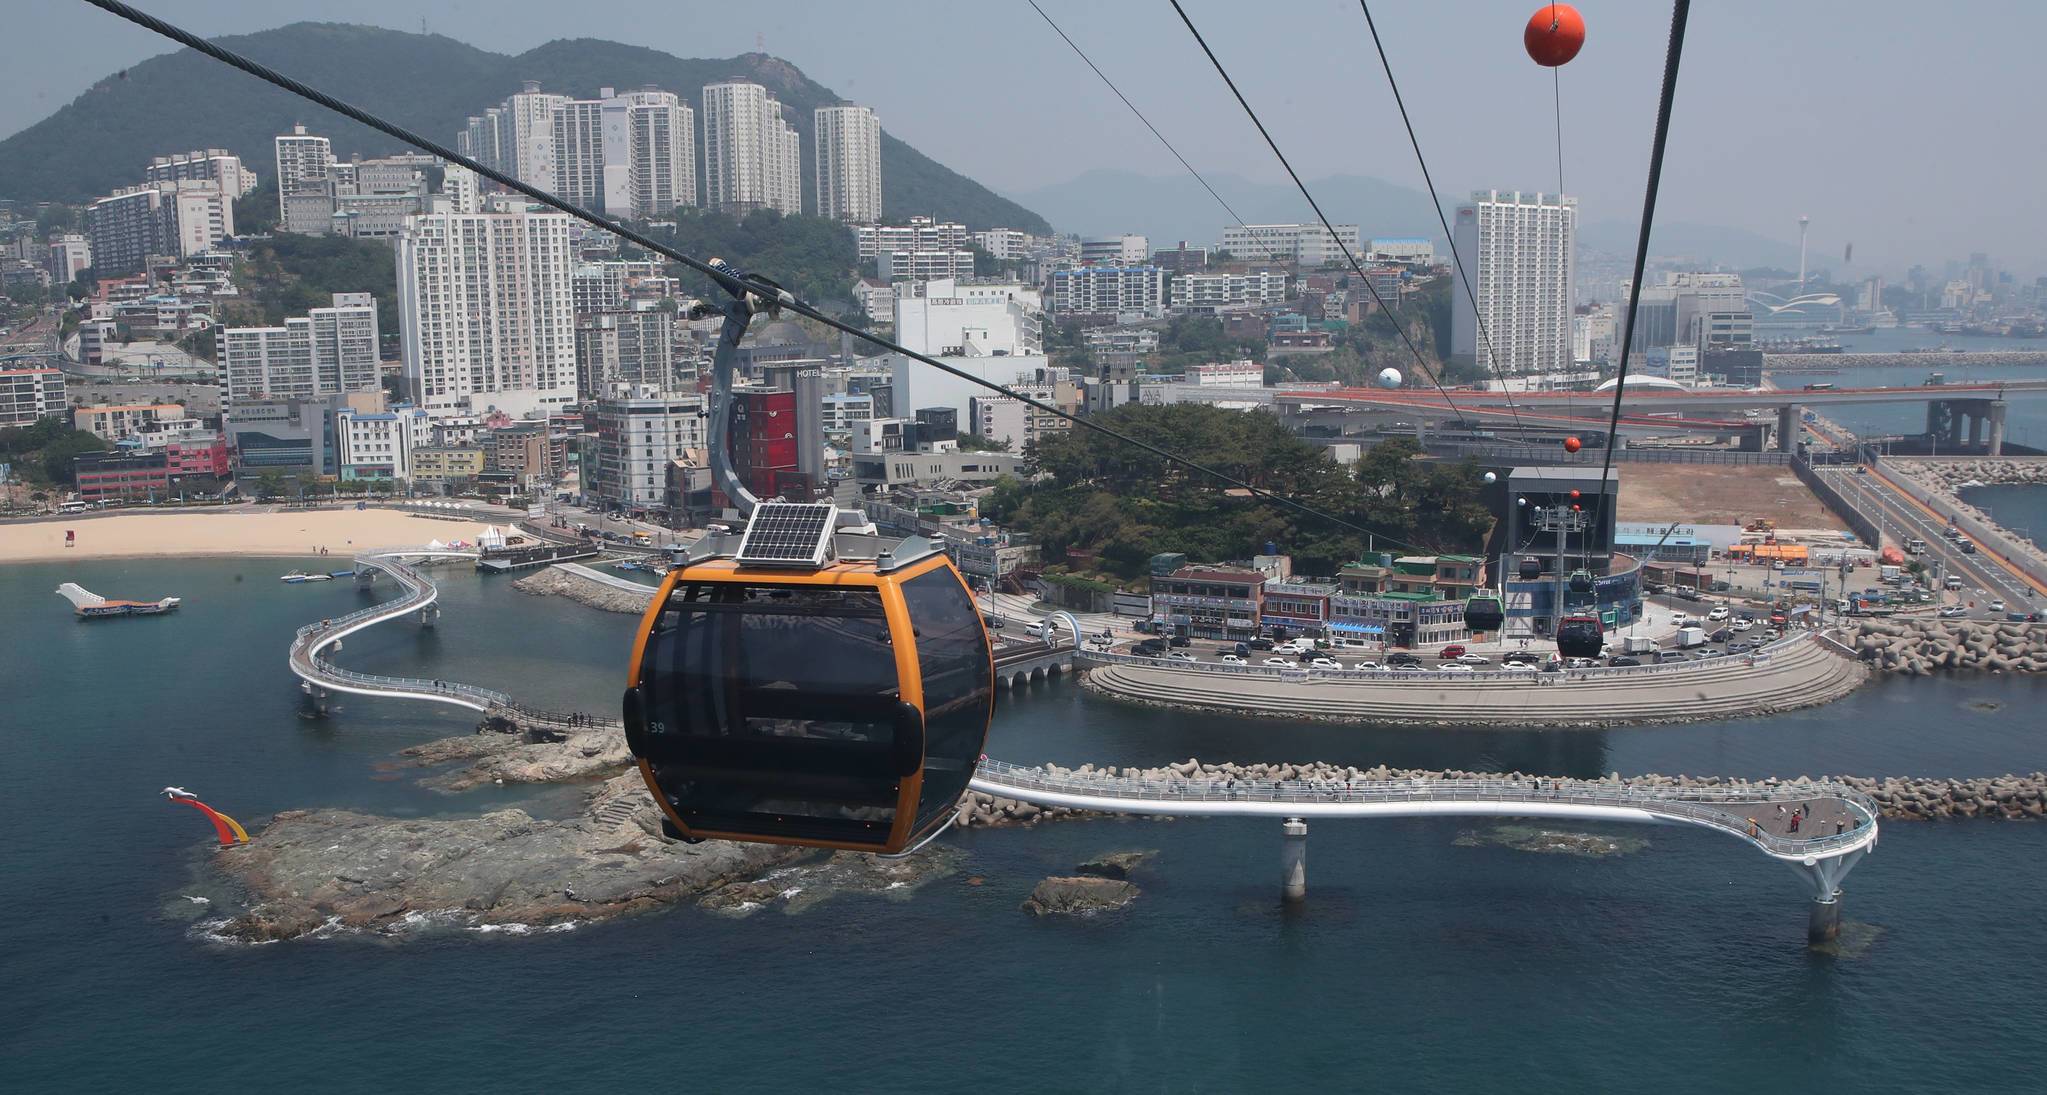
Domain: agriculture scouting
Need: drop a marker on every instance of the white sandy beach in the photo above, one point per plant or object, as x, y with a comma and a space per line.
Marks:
238, 530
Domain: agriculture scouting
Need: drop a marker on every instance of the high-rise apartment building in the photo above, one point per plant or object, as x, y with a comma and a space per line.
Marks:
301, 158
1520, 251
165, 218
579, 152
527, 134
329, 351
484, 303
848, 154
216, 165
1110, 290
752, 157
650, 153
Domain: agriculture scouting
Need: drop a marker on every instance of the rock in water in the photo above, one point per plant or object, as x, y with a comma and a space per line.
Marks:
1079, 896
1114, 864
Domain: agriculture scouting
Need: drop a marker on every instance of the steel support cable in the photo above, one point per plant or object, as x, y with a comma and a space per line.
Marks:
1082, 54
1680, 12
772, 295
1420, 361
1457, 260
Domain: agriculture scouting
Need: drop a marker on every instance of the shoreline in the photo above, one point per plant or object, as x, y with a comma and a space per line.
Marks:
225, 532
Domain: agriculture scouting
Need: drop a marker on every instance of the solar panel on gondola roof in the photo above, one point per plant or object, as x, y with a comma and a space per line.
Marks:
788, 534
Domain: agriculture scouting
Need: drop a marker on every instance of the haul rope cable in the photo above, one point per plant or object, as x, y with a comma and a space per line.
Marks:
1456, 260
1140, 114
1392, 312
1680, 12
1319, 215
742, 288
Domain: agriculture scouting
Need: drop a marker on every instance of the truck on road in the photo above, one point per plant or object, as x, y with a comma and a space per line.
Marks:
1688, 637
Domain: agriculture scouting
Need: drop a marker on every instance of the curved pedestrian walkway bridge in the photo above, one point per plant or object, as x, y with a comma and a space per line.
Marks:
1837, 825
1801, 670
418, 596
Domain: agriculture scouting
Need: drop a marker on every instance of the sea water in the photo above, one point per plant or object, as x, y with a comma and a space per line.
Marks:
1416, 963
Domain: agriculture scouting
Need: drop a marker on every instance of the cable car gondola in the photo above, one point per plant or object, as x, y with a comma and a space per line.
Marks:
1531, 568
1581, 581
1484, 612
1580, 637
806, 683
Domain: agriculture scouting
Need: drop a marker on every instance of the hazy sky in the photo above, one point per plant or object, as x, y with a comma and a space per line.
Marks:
1913, 132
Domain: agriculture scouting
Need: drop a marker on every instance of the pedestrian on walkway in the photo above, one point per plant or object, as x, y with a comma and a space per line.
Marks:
1752, 828
1794, 822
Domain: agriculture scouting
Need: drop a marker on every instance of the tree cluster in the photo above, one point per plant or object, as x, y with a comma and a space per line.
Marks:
289, 275
1127, 504
811, 257
46, 451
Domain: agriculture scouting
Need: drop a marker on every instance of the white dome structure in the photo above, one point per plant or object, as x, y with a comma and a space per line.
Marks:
1657, 383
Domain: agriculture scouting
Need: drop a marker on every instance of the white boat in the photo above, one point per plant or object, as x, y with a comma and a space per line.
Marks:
92, 606
298, 576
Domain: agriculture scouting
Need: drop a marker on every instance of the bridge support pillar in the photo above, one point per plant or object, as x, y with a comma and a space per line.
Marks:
429, 615
1787, 427
1293, 860
1823, 916
1823, 923
1996, 442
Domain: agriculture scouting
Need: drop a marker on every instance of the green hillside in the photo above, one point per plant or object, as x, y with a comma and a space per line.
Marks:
429, 83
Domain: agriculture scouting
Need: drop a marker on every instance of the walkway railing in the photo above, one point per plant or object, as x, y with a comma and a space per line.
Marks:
1724, 808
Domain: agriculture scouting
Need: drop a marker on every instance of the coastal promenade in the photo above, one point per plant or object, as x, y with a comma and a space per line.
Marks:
1802, 670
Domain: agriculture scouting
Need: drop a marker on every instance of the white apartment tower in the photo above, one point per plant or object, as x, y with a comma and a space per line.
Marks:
579, 153
650, 153
1520, 251
484, 304
300, 157
217, 165
329, 351
848, 153
526, 132
752, 158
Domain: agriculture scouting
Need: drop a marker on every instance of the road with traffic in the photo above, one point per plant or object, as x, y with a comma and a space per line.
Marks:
1904, 520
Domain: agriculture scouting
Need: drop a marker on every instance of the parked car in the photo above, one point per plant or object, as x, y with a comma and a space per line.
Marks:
1279, 663
1949, 612
1623, 660
1402, 661
1325, 663
1368, 666
1474, 659
1451, 652
1231, 659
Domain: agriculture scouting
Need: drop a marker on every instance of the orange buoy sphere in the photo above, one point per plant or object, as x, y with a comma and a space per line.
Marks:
1572, 444
1555, 34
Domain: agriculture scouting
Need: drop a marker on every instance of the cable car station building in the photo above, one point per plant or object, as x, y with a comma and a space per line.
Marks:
1535, 559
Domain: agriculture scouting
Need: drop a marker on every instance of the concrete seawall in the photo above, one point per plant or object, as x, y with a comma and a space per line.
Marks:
1806, 674
580, 585
1921, 647
2008, 797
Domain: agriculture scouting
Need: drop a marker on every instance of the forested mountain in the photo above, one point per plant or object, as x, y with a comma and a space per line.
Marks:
427, 82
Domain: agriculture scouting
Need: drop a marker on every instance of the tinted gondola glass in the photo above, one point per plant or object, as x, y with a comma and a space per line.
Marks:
1581, 581
1580, 637
1484, 613
1531, 568
801, 708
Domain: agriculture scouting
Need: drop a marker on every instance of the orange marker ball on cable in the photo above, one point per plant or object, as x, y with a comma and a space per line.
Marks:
1555, 34
1572, 444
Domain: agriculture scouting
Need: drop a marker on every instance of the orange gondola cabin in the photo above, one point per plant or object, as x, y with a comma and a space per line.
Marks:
810, 685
